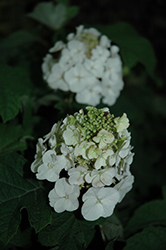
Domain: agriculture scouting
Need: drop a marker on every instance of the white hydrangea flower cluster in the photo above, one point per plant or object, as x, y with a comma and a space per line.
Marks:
88, 66
87, 155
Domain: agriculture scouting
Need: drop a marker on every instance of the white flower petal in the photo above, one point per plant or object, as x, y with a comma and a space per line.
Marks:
71, 136
64, 196
124, 186
99, 202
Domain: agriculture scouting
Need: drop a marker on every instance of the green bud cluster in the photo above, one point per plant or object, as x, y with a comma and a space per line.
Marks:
90, 40
96, 120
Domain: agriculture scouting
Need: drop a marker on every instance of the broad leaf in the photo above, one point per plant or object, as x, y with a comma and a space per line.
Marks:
110, 246
133, 47
112, 228
49, 14
151, 238
11, 138
22, 237
151, 213
72, 12
67, 232
18, 38
73, 239
14, 83
53, 16
60, 226
88, 231
17, 192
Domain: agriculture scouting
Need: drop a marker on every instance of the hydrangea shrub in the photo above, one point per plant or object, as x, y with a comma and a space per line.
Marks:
88, 156
87, 65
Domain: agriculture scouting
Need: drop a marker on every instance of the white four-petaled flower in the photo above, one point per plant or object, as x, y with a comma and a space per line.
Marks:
99, 202
64, 196
51, 167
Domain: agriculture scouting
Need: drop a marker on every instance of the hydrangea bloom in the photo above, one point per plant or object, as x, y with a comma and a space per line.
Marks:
88, 156
87, 65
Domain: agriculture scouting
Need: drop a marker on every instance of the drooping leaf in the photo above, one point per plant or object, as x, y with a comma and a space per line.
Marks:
133, 47
53, 15
49, 14
17, 192
151, 238
15, 82
151, 213
112, 228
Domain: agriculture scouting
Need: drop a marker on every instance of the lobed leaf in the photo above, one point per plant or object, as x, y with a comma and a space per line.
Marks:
17, 192
60, 226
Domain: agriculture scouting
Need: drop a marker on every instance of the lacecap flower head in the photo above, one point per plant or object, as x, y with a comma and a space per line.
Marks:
87, 65
87, 155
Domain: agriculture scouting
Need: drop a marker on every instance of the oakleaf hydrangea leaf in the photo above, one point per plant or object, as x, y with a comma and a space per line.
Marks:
22, 237
17, 192
69, 232
15, 82
60, 226
112, 228
11, 138
51, 15
150, 238
151, 213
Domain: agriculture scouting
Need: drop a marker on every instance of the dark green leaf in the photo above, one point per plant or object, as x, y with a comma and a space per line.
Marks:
72, 12
22, 237
60, 226
151, 238
18, 38
151, 213
49, 14
15, 82
67, 232
112, 228
3, 246
17, 192
88, 231
164, 192
11, 138
73, 239
110, 246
